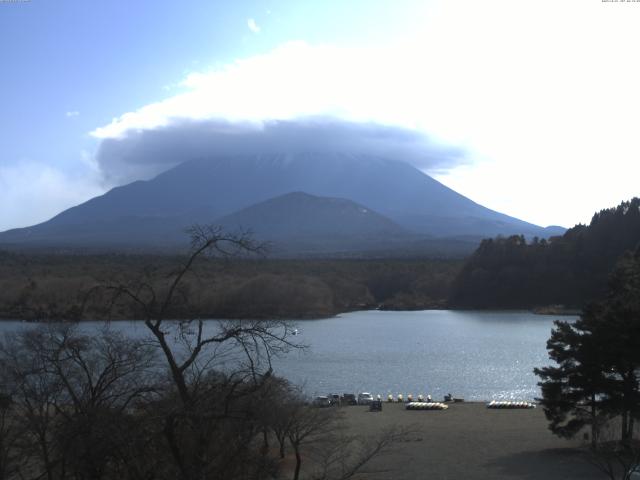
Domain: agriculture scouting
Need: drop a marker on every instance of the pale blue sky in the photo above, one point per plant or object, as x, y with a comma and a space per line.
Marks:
102, 58
535, 92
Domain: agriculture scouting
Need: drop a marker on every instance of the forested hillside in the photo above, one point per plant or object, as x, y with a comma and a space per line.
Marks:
55, 286
569, 270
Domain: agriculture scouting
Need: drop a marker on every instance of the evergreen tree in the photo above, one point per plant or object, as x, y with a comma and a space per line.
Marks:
619, 330
571, 392
597, 376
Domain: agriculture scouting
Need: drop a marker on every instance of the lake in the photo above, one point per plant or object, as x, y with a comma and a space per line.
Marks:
474, 355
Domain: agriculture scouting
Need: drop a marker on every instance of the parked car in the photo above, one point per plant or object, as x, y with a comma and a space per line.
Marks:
334, 398
365, 398
321, 401
349, 399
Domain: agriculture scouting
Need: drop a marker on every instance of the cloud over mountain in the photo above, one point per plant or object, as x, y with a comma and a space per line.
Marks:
295, 98
143, 153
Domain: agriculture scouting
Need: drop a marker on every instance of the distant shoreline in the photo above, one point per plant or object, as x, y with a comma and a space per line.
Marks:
549, 310
556, 310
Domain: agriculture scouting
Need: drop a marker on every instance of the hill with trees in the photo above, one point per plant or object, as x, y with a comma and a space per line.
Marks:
55, 286
567, 270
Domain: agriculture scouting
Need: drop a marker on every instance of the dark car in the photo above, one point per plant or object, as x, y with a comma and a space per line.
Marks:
349, 399
334, 398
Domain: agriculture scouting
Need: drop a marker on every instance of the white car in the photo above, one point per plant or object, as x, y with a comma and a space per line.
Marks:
365, 398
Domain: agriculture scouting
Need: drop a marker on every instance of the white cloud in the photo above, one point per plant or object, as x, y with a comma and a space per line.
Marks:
295, 80
73, 113
542, 94
253, 26
32, 192
142, 154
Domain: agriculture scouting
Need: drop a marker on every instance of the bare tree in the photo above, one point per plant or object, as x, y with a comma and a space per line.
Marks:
215, 371
72, 393
342, 457
278, 417
613, 457
308, 425
318, 435
9, 434
192, 400
36, 391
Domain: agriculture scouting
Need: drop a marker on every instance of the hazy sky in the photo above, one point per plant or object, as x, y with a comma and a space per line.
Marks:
534, 105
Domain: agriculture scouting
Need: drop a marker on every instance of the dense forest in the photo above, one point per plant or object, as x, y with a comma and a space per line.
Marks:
569, 270
512, 272
64, 286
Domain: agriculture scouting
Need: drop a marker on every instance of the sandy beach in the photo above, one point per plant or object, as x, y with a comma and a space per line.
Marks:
469, 441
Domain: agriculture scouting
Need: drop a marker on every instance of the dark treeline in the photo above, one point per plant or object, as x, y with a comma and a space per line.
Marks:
569, 270
56, 286
503, 273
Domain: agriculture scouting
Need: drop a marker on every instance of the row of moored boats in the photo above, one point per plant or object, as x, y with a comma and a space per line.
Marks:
427, 406
510, 405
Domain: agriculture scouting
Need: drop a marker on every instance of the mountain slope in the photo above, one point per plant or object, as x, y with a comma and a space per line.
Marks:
301, 223
299, 214
155, 212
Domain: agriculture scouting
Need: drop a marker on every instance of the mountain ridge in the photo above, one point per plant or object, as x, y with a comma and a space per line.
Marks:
156, 211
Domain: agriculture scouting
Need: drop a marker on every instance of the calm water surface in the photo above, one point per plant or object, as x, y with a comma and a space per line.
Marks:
475, 355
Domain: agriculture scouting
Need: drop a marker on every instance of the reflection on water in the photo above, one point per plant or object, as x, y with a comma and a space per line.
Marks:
475, 355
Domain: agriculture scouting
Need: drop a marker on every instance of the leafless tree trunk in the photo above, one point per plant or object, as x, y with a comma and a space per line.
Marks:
307, 425
192, 350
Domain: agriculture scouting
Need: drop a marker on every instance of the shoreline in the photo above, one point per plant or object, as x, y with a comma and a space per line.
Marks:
310, 317
385, 353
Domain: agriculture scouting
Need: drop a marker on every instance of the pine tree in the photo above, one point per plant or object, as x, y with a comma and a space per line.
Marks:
597, 376
571, 392
619, 331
